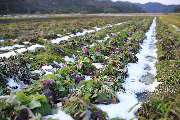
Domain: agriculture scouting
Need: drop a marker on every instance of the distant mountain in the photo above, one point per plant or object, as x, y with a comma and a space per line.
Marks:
177, 10
153, 7
66, 6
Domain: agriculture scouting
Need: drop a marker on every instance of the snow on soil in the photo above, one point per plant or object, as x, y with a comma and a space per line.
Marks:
11, 47
8, 54
98, 65
61, 114
176, 27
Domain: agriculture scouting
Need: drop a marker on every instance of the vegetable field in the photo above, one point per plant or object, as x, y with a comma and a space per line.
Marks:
90, 68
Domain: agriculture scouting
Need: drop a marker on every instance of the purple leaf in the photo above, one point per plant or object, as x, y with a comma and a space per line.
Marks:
47, 81
85, 50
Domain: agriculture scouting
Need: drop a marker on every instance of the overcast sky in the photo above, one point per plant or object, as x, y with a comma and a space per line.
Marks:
165, 2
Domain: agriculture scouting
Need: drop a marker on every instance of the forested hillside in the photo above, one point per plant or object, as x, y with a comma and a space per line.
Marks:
157, 7
177, 10
66, 6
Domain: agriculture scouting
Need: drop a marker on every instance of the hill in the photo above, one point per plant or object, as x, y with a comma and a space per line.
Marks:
153, 7
177, 10
66, 6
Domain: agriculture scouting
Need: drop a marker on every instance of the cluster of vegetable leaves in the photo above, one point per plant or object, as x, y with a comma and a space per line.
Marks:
15, 67
30, 102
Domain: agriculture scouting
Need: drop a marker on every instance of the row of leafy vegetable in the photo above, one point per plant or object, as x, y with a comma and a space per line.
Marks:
165, 103
41, 96
174, 20
36, 32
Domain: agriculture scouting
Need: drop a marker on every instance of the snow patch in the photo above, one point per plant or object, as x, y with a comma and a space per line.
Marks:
98, 65
68, 59
33, 47
87, 78
61, 114
11, 47
8, 54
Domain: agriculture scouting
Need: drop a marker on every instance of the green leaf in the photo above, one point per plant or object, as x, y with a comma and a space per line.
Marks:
86, 59
12, 100
67, 109
21, 96
133, 107
31, 97
34, 104
59, 76
86, 97
50, 76
44, 110
41, 98
67, 77
81, 83
95, 95
89, 85
167, 111
34, 81
52, 118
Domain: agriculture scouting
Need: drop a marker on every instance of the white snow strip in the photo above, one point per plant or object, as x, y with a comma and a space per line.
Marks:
175, 27
61, 64
21, 50
91, 45
12, 83
8, 54
97, 29
26, 42
60, 39
11, 47
36, 71
118, 24
48, 69
5, 96
87, 78
135, 71
98, 65
33, 47
59, 35
106, 37
99, 40
83, 33
61, 114
68, 59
